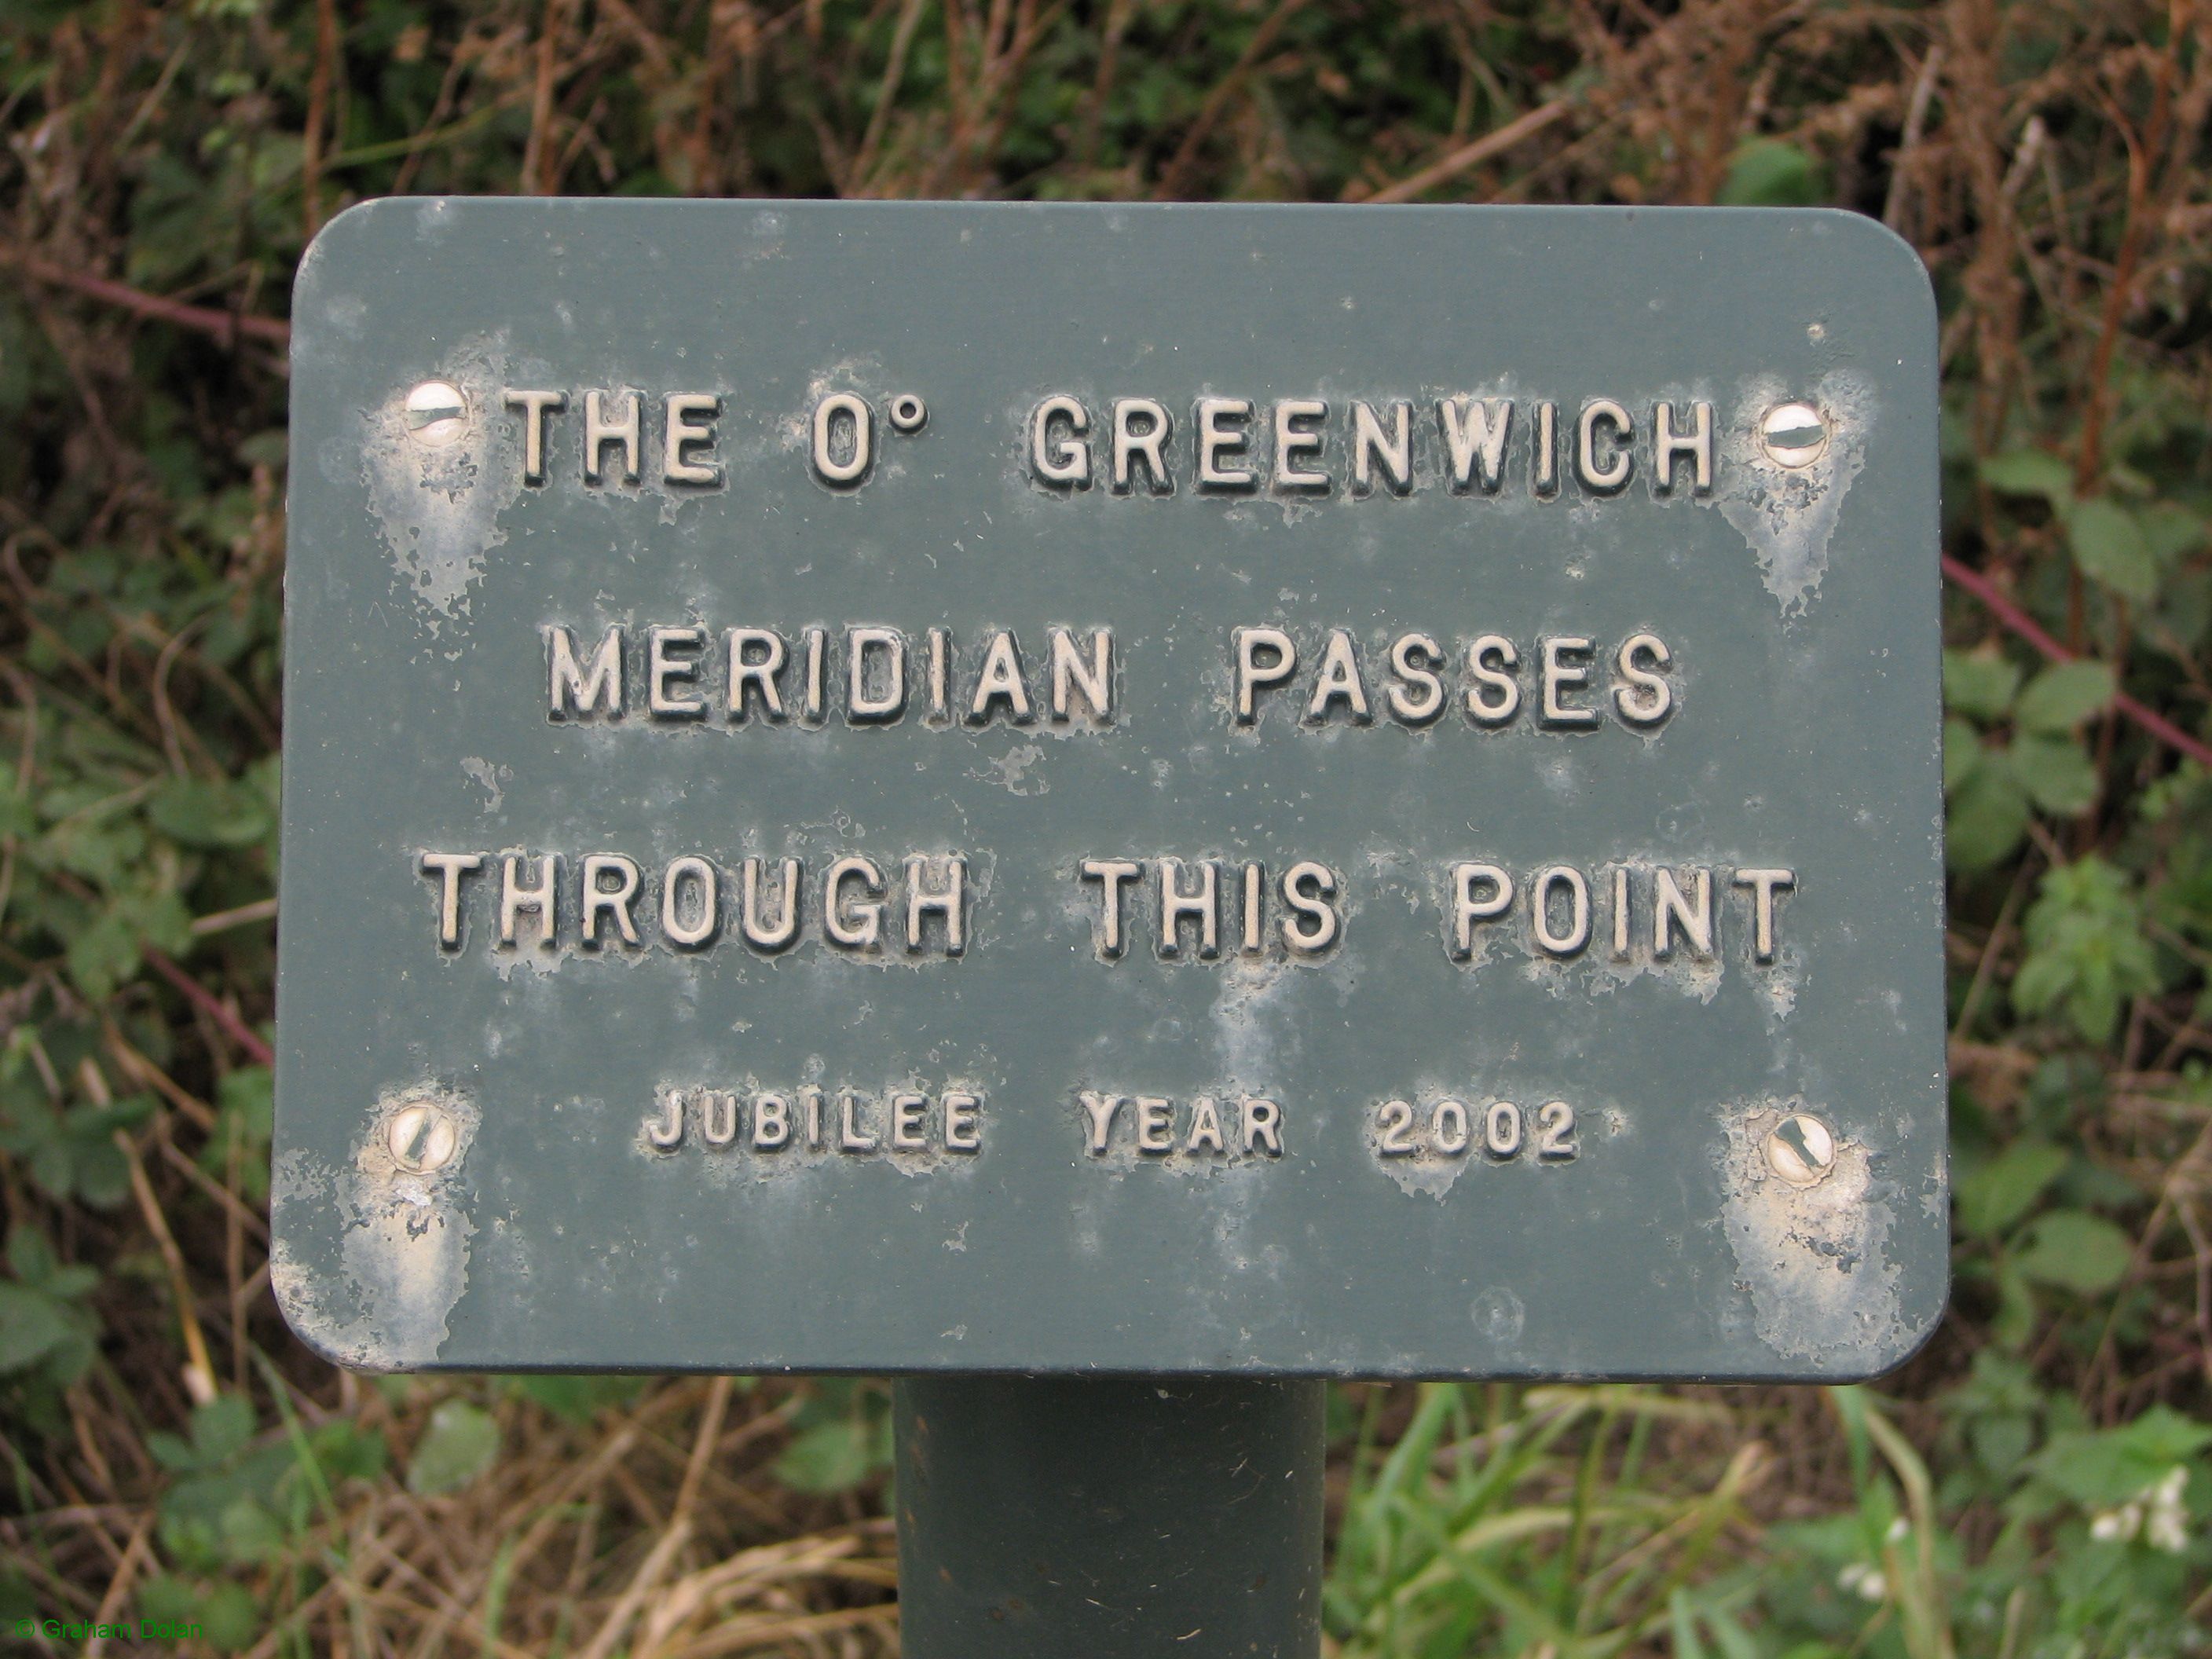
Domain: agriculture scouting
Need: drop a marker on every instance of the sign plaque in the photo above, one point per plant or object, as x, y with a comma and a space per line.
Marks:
1271, 791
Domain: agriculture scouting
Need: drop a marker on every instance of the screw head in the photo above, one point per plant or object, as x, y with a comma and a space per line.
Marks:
437, 414
1793, 434
907, 412
1801, 1150
421, 1137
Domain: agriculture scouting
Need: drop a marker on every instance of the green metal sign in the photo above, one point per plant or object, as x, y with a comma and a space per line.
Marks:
1048, 789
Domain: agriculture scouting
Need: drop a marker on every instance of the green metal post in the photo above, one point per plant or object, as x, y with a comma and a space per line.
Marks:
1051, 1518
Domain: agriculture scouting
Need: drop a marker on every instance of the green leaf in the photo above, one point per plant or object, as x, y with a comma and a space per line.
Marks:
99, 1171
221, 1429
250, 1534
2100, 1467
208, 812
347, 1451
18, 816
834, 1457
245, 1110
31, 1256
2056, 773
576, 1400
103, 954
168, 1601
171, 1451
2182, 617
2109, 548
72, 1282
54, 1168
2001, 1442
2172, 532
2015, 1323
267, 449
2029, 473
2075, 1251
461, 1443
2064, 695
2161, 1438
1772, 173
1978, 685
41, 1324
2005, 1189
2087, 953
31, 1326
72, 1153
1962, 754
230, 1618
1988, 815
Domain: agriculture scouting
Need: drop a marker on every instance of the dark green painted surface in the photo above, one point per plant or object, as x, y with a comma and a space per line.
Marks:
1798, 609
1076, 1516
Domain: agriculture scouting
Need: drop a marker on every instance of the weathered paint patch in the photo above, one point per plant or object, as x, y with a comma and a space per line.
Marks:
438, 508
1813, 1259
1425, 1171
1255, 1016
404, 1247
1497, 1313
1789, 514
1015, 771
491, 779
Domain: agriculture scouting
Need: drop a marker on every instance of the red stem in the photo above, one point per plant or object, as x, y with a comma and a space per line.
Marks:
2026, 626
221, 1012
224, 325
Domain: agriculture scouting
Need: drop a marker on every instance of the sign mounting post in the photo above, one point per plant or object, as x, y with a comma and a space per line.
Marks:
1222, 796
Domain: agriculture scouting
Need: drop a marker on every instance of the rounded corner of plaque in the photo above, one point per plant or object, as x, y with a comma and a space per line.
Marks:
1886, 251
1912, 1331
300, 1310
328, 241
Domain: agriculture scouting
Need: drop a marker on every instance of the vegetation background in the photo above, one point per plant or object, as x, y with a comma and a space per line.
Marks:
2036, 1483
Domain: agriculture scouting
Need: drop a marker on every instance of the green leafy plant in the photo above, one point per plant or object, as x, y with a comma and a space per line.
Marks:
2010, 748
841, 1437
461, 1442
2086, 951
48, 1336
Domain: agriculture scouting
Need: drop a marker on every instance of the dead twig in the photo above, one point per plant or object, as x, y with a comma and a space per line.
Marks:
1494, 142
134, 1558
198, 1368
886, 95
1916, 123
246, 915
1209, 113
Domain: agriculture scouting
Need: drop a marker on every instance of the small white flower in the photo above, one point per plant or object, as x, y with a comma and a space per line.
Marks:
2157, 1514
2167, 1517
1866, 1581
2117, 1526
1898, 1531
